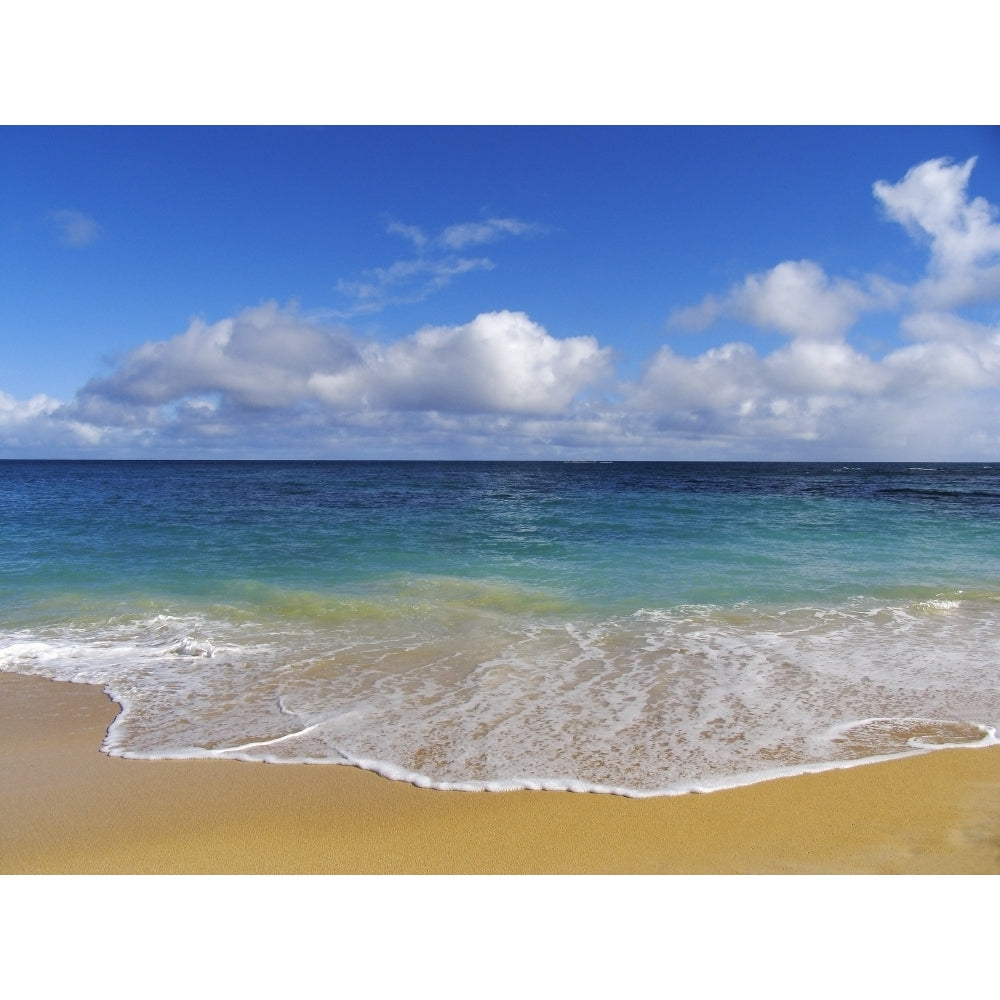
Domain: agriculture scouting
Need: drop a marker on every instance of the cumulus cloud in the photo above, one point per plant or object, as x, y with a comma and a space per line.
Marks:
795, 298
73, 228
272, 382
798, 299
499, 363
261, 359
43, 422
14, 412
932, 203
279, 379
819, 387
917, 401
814, 398
950, 353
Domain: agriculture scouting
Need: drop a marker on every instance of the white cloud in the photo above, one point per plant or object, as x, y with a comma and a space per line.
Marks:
14, 412
262, 358
270, 382
798, 299
499, 363
412, 233
806, 366
280, 381
952, 354
948, 327
828, 392
271, 365
818, 387
407, 281
698, 317
73, 228
931, 201
411, 280
465, 233
813, 399
795, 298
42, 423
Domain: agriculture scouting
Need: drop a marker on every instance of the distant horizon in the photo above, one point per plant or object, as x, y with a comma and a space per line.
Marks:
912, 462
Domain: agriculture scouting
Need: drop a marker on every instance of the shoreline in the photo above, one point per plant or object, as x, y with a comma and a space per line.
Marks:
68, 808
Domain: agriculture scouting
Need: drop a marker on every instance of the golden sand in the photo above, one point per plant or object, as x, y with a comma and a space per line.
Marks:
67, 808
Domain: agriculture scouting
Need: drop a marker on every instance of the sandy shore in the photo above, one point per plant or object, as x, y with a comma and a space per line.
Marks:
67, 808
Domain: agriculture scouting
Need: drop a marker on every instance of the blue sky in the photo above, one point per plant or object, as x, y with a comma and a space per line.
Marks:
527, 292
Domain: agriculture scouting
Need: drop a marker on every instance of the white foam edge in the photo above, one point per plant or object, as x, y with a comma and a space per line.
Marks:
394, 772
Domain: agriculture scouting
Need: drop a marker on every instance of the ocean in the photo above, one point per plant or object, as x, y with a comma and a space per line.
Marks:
636, 628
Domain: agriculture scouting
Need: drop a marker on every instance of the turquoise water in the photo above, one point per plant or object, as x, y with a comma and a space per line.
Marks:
644, 628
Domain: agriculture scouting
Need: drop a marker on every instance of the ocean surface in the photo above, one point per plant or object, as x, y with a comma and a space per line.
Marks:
644, 629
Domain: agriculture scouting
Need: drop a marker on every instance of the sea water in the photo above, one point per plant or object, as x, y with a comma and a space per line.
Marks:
644, 629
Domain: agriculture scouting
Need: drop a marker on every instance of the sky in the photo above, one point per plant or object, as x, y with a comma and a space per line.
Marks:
572, 292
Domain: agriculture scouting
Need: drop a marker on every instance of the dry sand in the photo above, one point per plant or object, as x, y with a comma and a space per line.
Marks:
67, 808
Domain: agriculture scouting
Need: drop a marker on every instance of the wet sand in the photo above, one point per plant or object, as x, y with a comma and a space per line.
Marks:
67, 808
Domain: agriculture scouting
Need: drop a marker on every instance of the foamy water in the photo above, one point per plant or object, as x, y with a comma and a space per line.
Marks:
640, 630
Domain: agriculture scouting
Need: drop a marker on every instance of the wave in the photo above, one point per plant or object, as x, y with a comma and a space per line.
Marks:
662, 700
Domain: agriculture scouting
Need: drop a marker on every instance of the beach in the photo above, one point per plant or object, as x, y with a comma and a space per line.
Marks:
68, 808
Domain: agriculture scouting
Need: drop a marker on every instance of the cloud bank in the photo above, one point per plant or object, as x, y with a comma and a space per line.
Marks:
270, 382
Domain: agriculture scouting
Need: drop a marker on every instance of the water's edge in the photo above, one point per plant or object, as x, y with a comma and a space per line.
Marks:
392, 772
